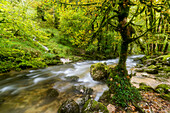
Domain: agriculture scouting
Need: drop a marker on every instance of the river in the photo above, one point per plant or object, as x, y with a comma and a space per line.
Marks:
24, 92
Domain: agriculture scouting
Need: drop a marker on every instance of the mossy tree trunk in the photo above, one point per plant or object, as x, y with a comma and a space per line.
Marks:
126, 34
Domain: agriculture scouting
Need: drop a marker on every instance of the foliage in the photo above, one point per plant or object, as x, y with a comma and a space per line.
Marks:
74, 26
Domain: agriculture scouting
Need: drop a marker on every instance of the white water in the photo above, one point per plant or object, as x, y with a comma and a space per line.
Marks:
41, 44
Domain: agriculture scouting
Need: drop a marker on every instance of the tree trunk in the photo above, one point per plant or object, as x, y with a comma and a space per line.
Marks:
123, 55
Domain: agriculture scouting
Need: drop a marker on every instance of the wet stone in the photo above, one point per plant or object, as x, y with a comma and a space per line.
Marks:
51, 93
69, 106
92, 106
83, 90
72, 78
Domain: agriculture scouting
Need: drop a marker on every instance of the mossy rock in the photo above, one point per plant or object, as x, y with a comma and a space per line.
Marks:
72, 78
152, 67
98, 71
166, 69
92, 106
151, 71
149, 62
165, 96
69, 106
144, 87
139, 70
51, 93
162, 88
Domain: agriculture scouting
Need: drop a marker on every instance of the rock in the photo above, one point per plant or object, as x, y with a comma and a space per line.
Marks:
145, 75
72, 78
83, 90
162, 88
149, 62
111, 108
98, 71
139, 65
69, 106
144, 87
105, 98
82, 101
151, 71
2, 101
51, 93
167, 69
152, 67
92, 106
139, 70
162, 74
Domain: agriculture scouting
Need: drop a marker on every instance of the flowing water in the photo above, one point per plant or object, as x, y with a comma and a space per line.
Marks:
25, 92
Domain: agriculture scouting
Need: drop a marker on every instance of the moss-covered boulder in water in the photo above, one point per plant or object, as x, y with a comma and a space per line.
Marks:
69, 106
92, 106
144, 87
98, 71
162, 88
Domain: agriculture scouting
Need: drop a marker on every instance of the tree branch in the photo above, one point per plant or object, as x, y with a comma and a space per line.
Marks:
87, 4
133, 39
132, 17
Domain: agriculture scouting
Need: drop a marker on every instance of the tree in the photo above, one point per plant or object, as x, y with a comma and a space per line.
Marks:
116, 15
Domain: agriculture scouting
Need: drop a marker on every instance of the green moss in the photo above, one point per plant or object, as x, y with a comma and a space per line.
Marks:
152, 67
120, 86
165, 96
166, 69
144, 87
165, 57
162, 88
92, 106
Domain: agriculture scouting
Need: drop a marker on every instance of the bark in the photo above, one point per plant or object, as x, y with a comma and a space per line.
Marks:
123, 55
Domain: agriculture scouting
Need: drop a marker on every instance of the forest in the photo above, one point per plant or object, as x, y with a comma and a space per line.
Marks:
42, 34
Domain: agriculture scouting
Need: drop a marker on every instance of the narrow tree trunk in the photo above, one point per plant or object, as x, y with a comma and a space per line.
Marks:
123, 55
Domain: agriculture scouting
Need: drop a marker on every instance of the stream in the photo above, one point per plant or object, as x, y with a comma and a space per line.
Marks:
25, 92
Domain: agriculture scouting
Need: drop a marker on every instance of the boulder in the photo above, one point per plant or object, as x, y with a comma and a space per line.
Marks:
69, 106
83, 90
92, 106
98, 71
139, 65
144, 87
149, 62
51, 93
83, 100
151, 71
139, 69
72, 78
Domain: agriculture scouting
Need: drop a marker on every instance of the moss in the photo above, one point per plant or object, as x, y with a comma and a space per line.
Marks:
166, 69
121, 89
92, 106
165, 96
144, 87
165, 57
152, 67
162, 88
